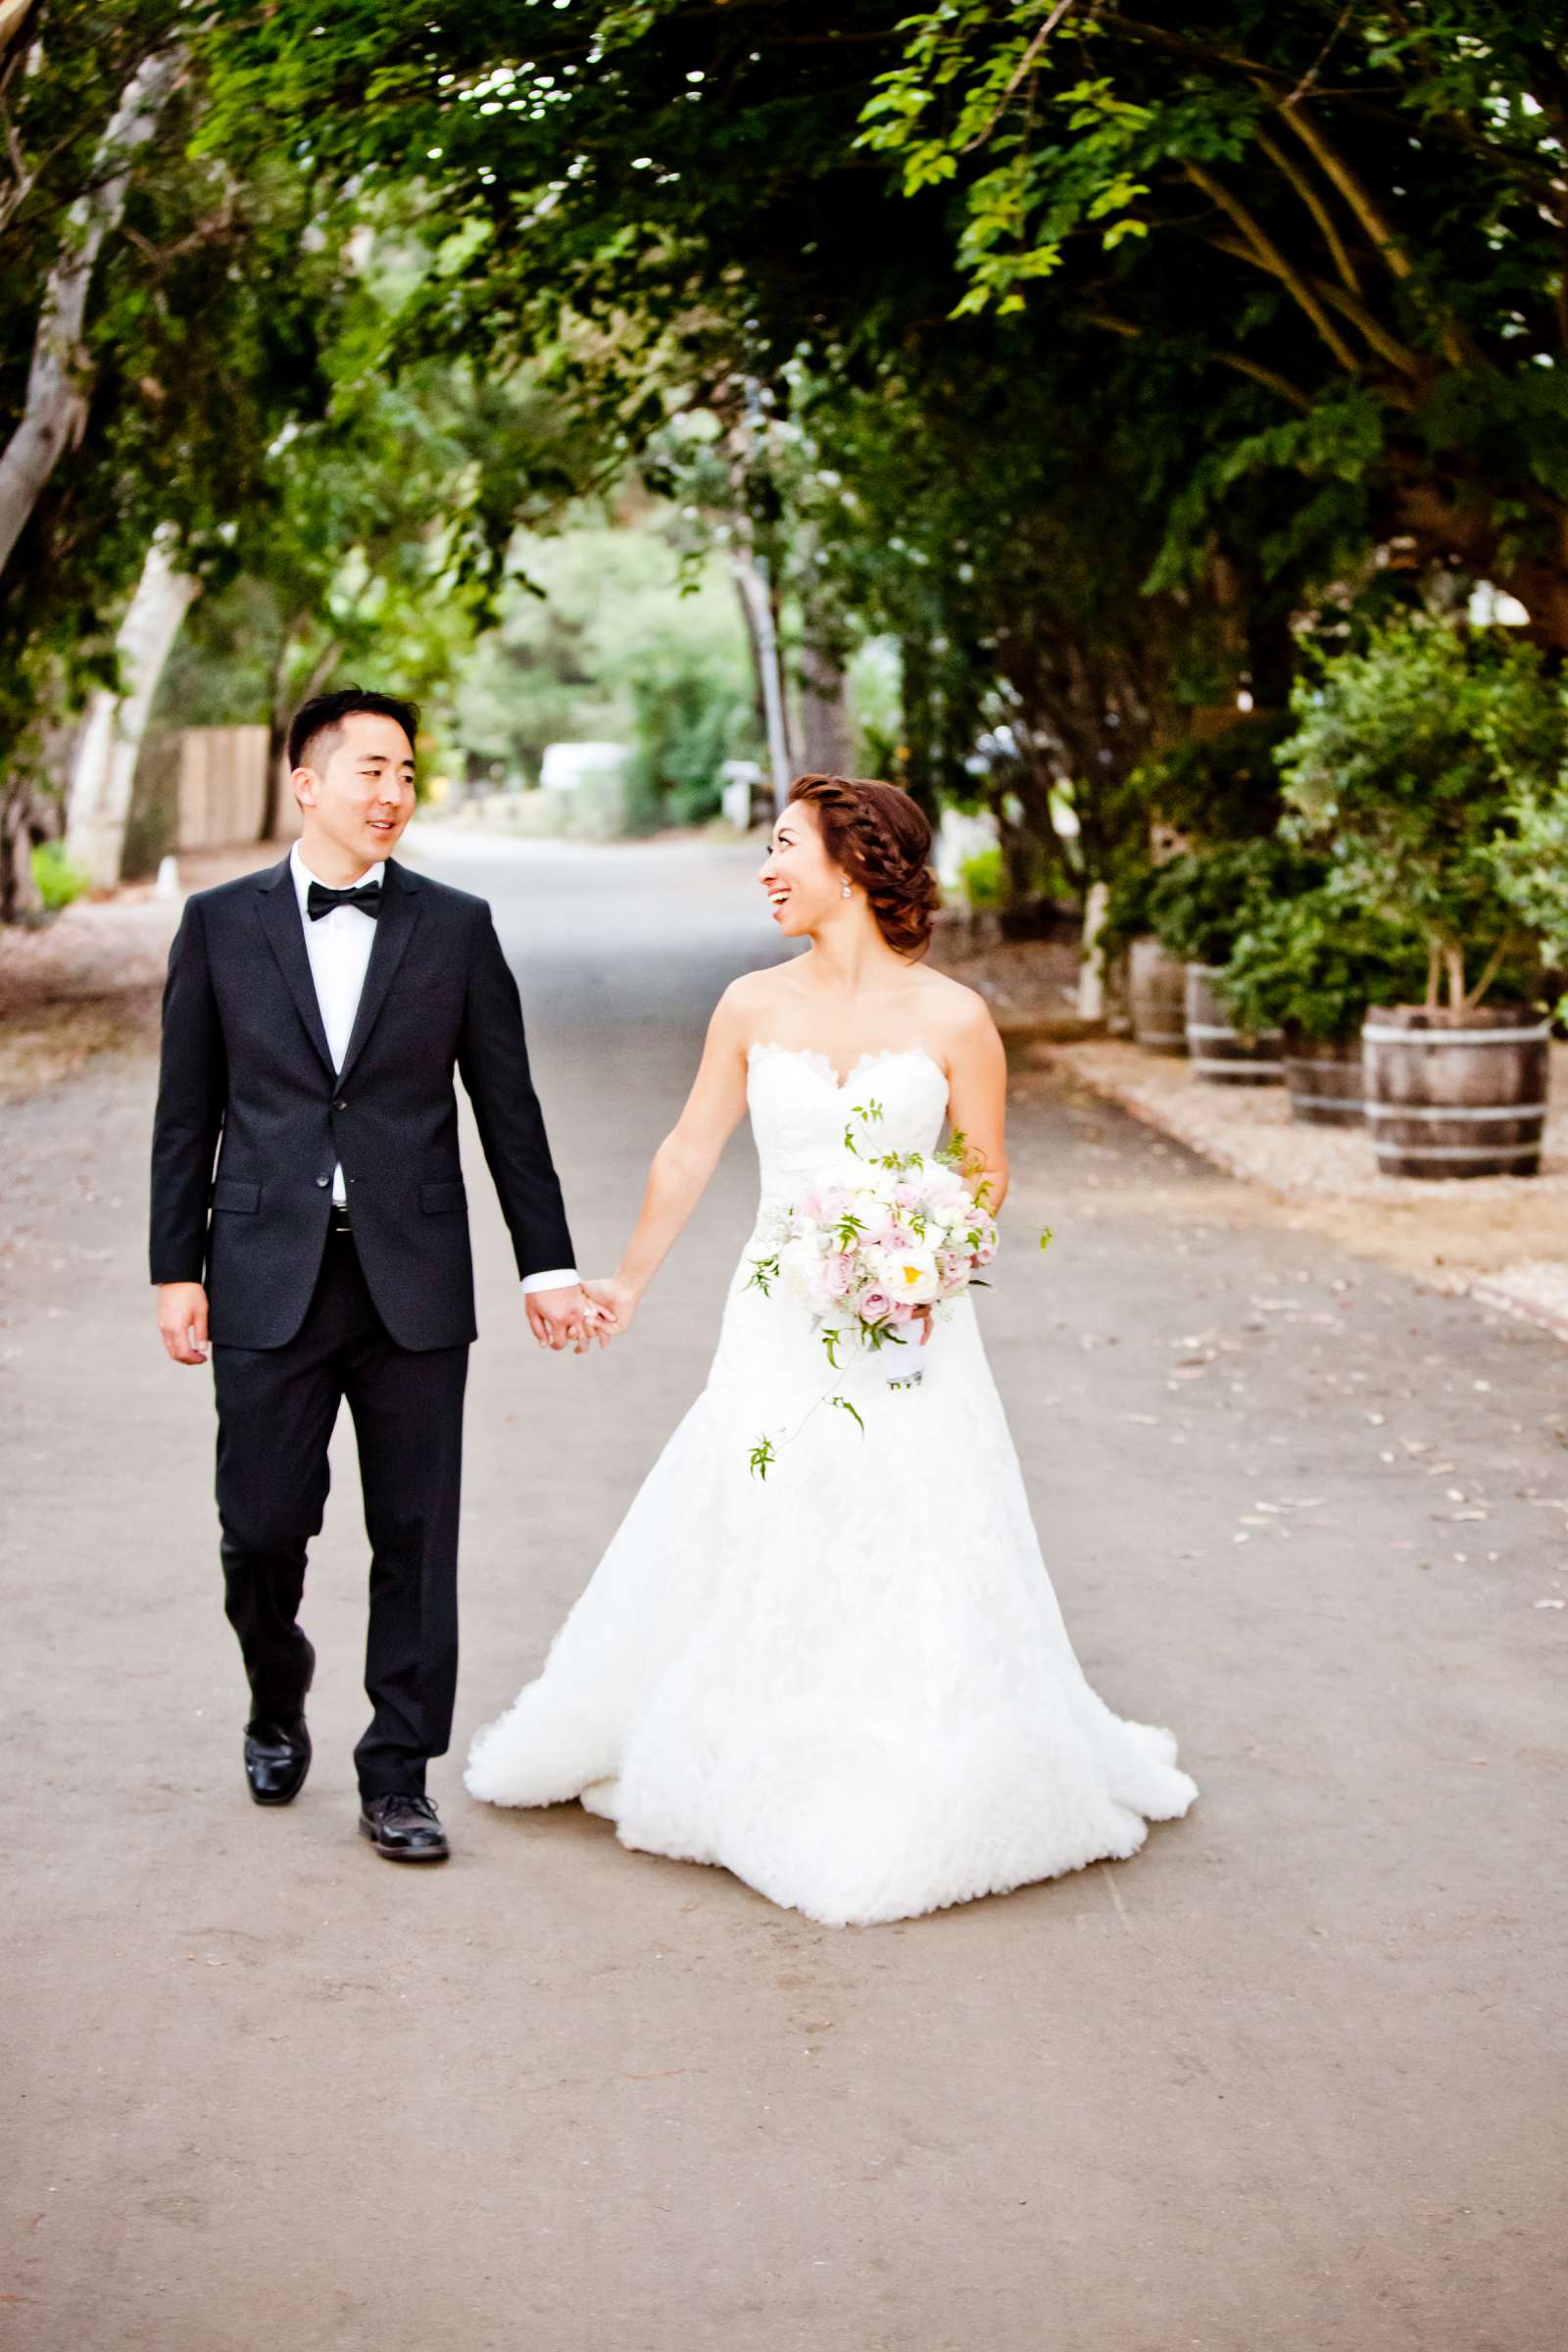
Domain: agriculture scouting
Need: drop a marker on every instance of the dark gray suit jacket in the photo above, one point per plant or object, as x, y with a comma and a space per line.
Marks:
246, 1075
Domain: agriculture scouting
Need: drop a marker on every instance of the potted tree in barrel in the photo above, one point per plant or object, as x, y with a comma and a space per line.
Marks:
1409, 758
1216, 789
1153, 974
1311, 967
1199, 905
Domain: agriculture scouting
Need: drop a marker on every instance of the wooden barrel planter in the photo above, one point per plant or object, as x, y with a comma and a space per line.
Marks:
1323, 1078
1457, 1094
1156, 997
1219, 1050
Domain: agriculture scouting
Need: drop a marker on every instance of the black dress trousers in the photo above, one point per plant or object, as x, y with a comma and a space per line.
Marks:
276, 1411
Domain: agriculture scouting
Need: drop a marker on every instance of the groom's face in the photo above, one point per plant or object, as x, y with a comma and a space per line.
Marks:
355, 786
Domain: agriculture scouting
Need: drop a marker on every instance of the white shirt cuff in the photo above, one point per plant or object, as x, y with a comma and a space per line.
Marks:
559, 1277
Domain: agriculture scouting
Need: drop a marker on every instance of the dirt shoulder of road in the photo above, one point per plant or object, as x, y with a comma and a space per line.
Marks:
87, 982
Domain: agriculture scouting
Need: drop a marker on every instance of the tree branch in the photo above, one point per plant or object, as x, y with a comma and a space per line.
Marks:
1366, 211
1270, 377
1399, 355
1269, 257
1019, 71
1314, 205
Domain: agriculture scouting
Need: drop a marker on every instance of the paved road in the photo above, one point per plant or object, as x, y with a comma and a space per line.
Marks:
1288, 2078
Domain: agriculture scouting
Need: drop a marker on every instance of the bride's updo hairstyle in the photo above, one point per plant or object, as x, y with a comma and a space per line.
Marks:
881, 838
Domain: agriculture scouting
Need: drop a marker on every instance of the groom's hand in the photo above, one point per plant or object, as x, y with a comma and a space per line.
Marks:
183, 1321
562, 1319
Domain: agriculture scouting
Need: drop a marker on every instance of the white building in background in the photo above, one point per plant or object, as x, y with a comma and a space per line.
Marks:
567, 767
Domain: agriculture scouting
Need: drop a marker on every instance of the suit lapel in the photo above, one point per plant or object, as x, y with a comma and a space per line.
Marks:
280, 913
400, 912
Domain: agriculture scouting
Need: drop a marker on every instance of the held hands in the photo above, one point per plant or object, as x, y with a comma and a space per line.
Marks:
183, 1321
576, 1317
564, 1318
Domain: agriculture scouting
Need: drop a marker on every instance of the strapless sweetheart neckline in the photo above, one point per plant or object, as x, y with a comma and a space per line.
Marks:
814, 1055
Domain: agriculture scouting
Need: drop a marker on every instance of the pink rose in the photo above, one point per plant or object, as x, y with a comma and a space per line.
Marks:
903, 1312
874, 1306
839, 1275
832, 1204
906, 1196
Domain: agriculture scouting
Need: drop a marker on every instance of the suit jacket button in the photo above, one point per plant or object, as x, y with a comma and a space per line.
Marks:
341, 1104
323, 1182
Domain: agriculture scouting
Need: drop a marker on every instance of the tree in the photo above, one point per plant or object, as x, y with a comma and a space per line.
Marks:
1413, 753
1357, 209
58, 377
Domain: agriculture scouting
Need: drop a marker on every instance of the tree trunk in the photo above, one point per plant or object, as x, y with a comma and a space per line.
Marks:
1092, 969
22, 827
99, 799
757, 603
825, 734
56, 406
282, 711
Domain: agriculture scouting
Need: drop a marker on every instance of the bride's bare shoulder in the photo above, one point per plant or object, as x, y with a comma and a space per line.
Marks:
750, 1001
954, 1011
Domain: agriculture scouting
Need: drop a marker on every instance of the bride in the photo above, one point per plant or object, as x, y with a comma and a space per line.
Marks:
848, 1680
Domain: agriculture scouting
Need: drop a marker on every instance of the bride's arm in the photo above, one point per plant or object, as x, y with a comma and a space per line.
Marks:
977, 1100
683, 1164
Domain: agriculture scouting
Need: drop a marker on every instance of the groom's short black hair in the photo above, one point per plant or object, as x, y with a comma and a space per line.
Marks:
324, 713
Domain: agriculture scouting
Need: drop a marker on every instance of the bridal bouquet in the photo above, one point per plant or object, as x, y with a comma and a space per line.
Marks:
879, 1248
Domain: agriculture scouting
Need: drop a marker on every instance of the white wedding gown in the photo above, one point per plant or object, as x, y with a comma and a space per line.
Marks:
849, 1684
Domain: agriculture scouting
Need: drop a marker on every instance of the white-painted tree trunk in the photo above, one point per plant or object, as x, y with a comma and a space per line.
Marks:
1092, 970
56, 407
105, 766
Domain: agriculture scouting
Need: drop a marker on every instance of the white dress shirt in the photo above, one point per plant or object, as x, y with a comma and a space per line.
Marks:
339, 946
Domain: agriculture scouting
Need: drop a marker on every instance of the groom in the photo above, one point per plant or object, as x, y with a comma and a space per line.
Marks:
312, 1018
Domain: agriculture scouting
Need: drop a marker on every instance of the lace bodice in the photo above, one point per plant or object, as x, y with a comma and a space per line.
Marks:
801, 1108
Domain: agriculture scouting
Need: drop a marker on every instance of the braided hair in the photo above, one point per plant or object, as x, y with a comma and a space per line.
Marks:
880, 839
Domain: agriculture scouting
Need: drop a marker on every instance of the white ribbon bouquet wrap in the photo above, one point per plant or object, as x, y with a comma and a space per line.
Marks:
877, 1251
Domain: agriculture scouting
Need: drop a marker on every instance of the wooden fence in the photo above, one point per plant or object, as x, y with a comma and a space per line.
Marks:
200, 788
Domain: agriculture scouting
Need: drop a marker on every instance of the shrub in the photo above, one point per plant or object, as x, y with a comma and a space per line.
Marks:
1411, 757
1529, 859
983, 878
1220, 788
1311, 965
1127, 908
58, 880
1201, 903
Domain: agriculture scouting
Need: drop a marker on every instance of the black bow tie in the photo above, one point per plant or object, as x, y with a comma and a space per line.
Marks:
320, 900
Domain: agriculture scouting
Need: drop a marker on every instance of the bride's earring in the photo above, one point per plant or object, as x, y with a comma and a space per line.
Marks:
844, 892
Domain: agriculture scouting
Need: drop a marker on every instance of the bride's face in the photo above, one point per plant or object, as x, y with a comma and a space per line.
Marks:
803, 886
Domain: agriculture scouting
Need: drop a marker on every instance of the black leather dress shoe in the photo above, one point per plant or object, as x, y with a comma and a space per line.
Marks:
405, 1829
277, 1756
277, 1748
